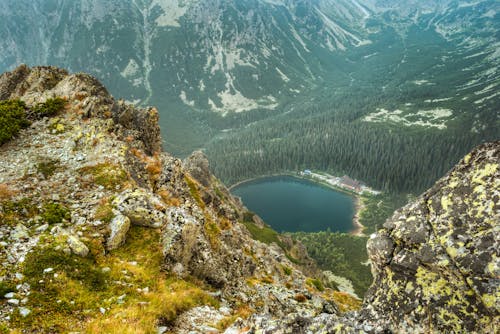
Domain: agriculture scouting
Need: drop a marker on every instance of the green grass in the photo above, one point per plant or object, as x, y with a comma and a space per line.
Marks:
109, 175
47, 167
377, 209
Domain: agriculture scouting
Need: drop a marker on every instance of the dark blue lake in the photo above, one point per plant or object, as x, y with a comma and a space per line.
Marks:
291, 204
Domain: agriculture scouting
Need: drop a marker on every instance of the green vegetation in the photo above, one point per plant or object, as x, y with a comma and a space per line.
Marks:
315, 283
47, 167
6, 287
377, 209
51, 107
55, 213
263, 234
104, 211
12, 119
109, 175
343, 254
71, 295
15, 211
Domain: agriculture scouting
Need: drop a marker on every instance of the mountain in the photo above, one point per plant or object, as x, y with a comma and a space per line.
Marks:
101, 232
226, 70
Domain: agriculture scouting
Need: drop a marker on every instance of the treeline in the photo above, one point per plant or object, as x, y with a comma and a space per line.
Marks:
384, 157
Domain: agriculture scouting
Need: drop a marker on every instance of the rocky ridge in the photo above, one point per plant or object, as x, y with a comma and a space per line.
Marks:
164, 246
98, 167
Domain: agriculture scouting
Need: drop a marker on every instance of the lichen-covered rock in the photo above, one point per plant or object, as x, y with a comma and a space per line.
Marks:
77, 246
141, 207
119, 227
197, 165
436, 262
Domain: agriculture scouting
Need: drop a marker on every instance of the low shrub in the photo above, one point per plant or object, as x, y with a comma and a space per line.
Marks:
12, 119
55, 213
50, 107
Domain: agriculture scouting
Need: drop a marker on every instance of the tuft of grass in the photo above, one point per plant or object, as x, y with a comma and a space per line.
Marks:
212, 232
193, 190
12, 119
287, 270
47, 167
316, 283
242, 312
50, 107
55, 213
5, 192
109, 175
346, 302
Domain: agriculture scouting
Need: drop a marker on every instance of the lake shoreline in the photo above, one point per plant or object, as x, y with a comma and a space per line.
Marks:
357, 199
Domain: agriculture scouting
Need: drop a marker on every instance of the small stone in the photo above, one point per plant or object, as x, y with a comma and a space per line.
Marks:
24, 300
77, 247
102, 310
13, 301
23, 311
106, 269
19, 232
119, 226
162, 329
48, 270
9, 295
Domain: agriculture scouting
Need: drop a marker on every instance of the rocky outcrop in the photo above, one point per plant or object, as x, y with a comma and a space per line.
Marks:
437, 258
197, 165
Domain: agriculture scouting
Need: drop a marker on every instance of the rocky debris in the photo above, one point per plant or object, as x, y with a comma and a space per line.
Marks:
141, 207
119, 227
200, 320
197, 165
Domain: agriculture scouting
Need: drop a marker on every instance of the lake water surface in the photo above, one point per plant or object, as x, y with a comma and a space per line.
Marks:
291, 204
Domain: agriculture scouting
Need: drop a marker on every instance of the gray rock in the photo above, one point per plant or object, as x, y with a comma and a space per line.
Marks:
24, 312
20, 232
119, 227
142, 207
77, 246
197, 165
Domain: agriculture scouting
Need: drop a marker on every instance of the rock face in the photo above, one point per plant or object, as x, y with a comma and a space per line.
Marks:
436, 262
197, 165
96, 170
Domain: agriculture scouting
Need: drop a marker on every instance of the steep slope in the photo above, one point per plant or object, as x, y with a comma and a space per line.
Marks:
102, 231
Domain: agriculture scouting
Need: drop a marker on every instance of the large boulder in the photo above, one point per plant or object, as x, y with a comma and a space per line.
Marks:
141, 206
119, 227
436, 262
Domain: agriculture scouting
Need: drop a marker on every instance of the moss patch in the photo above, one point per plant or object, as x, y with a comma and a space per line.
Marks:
124, 291
109, 175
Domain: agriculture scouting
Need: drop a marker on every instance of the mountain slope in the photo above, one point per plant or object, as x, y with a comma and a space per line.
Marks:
224, 71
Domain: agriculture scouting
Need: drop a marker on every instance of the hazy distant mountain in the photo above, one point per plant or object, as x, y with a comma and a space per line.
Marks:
426, 64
